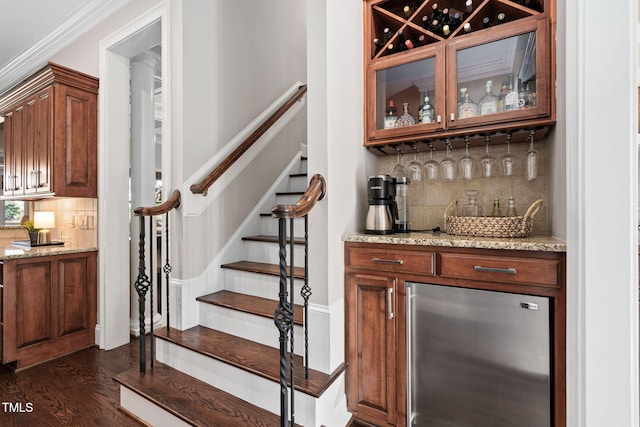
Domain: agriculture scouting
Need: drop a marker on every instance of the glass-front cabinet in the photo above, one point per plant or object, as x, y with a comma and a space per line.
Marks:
406, 98
501, 80
450, 68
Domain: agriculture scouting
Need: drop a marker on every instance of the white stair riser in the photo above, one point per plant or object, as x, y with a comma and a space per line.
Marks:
147, 410
269, 226
248, 326
269, 253
259, 285
287, 199
252, 388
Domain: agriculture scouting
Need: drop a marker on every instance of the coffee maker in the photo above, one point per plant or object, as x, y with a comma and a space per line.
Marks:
383, 210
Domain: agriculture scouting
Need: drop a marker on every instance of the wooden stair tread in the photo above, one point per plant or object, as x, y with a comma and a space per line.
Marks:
272, 239
192, 400
249, 304
250, 356
263, 268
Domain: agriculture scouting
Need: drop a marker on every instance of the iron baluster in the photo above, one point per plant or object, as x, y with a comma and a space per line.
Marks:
291, 330
152, 243
167, 266
305, 292
142, 286
282, 320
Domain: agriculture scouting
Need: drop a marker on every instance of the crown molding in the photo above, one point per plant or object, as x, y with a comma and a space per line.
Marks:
37, 55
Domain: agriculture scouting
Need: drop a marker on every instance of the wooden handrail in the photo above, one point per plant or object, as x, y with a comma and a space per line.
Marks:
203, 186
316, 191
172, 202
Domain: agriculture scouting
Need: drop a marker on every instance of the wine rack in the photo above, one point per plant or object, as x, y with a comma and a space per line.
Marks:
411, 20
412, 59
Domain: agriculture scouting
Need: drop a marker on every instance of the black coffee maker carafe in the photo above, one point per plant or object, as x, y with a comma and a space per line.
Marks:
383, 211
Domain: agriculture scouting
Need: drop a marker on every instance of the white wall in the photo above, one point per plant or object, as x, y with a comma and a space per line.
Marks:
236, 58
83, 54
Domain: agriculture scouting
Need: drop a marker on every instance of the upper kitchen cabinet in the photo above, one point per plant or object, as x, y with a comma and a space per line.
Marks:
51, 135
447, 69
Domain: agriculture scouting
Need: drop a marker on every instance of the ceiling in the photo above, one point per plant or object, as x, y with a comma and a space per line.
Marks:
34, 30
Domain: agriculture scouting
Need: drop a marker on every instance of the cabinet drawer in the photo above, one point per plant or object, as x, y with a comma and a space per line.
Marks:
533, 271
415, 262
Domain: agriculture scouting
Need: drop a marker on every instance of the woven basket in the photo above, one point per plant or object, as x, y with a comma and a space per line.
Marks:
490, 226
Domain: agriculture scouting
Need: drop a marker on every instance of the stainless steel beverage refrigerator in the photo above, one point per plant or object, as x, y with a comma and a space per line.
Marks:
477, 358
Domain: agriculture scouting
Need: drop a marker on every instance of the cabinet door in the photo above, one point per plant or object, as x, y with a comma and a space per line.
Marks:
34, 292
510, 65
371, 347
395, 83
14, 137
75, 295
75, 136
41, 160
29, 142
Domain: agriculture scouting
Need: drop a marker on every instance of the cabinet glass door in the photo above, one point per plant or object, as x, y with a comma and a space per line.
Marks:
405, 98
499, 80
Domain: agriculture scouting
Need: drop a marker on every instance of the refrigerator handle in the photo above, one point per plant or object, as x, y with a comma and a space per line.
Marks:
409, 354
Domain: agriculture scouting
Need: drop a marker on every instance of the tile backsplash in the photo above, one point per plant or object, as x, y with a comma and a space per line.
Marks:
429, 199
76, 220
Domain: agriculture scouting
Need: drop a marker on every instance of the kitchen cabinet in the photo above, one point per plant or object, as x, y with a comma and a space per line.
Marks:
516, 57
372, 339
375, 312
51, 135
48, 307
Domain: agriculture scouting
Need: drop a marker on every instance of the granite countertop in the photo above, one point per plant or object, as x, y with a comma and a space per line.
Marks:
11, 251
530, 243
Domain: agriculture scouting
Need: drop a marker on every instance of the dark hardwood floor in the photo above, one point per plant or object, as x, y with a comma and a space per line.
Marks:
76, 390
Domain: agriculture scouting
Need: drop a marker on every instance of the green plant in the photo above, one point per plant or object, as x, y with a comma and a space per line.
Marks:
28, 224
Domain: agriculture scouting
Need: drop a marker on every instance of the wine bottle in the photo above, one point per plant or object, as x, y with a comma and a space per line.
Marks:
511, 98
501, 18
425, 111
511, 207
390, 117
467, 107
455, 21
378, 44
387, 33
426, 22
504, 90
486, 22
436, 27
496, 208
445, 18
489, 102
466, 27
468, 8
401, 41
391, 48
422, 40
435, 14
407, 11
446, 30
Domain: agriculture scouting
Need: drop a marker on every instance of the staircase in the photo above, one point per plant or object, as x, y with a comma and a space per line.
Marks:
225, 371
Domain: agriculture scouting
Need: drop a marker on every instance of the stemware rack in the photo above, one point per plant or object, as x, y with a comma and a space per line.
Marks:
519, 135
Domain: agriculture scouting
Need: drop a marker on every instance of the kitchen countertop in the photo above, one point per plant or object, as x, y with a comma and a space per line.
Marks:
9, 251
530, 243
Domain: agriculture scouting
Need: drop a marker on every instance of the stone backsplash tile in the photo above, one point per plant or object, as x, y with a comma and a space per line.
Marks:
76, 220
429, 199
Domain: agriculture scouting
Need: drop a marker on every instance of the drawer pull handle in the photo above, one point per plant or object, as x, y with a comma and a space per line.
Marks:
495, 270
387, 261
390, 303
